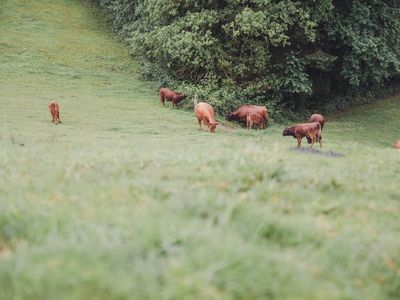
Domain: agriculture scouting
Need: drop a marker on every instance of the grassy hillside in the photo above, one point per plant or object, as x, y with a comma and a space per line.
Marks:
129, 200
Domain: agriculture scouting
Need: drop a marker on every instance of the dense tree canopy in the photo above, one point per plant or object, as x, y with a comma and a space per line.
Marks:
294, 54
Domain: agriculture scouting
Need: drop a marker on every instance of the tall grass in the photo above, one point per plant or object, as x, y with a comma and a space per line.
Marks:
129, 200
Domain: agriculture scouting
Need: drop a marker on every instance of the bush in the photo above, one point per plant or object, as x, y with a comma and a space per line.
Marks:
296, 55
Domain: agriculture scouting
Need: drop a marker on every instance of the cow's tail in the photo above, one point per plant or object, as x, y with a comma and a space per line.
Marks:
195, 100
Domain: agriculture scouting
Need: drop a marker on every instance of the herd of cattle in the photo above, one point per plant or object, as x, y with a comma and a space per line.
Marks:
248, 114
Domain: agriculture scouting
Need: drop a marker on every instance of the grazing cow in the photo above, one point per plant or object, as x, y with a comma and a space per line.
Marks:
316, 118
241, 113
309, 130
397, 145
55, 112
254, 118
168, 95
205, 112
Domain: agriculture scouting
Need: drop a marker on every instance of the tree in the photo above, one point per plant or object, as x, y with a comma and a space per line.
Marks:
286, 54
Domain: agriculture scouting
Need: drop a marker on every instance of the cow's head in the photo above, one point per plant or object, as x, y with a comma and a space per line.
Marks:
230, 116
287, 131
213, 125
182, 96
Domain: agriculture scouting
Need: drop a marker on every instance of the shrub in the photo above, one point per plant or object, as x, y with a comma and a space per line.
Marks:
295, 55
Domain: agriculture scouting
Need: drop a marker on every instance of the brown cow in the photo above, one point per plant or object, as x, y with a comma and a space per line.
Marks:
241, 113
254, 118
205, 112
316, 118
168, 95
309, 130
55, 112
397, 145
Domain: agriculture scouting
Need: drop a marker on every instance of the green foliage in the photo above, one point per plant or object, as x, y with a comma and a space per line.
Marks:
293, 54
369, 37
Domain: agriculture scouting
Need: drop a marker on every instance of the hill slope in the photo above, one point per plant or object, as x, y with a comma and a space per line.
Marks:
128, 200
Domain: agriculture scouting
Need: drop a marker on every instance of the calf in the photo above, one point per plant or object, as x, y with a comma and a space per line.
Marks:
397, 145
205, 112
254, 118
309, 130
241, 113
55, 112
168, 95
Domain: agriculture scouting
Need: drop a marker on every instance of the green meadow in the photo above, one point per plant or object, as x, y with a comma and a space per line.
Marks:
129, 200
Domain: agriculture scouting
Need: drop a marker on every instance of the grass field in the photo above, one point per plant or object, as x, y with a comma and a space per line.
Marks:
129, 200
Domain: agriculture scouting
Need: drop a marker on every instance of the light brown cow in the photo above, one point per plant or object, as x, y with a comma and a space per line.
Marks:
55, 112
241, 113
255, 118
169, 95
397, 145
205, 112
309, 130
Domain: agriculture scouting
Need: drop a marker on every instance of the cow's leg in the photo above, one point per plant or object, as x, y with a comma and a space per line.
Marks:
250, 124
58, 117
320, 141
313, 138
162, 100
199, 123
298, 142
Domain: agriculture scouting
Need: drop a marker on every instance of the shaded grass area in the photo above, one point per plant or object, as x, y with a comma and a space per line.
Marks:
374, 124
128, 200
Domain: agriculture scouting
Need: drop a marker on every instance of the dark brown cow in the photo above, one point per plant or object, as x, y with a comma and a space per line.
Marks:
254, 118
241, 113
397, 145
205, 112
309, 130
168, 95
55, 112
